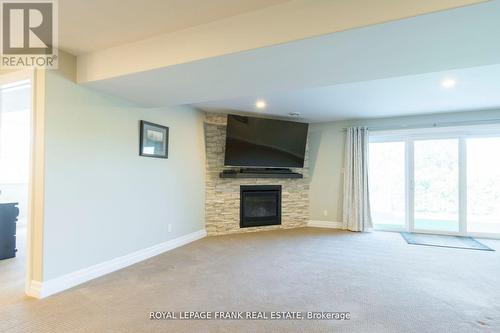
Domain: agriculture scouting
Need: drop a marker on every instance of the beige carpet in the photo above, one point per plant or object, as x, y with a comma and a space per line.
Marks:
386, 285
13, 273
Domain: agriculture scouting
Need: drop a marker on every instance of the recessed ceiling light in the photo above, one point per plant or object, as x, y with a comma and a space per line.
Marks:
260, 104
448, 83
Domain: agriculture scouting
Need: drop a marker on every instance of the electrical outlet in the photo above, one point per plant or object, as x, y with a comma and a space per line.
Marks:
169, 227
325, 213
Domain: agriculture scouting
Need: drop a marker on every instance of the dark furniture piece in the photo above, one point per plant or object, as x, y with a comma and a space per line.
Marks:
8, 219
259, 173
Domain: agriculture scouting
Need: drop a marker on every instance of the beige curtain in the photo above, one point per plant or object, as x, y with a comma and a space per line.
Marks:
356, 210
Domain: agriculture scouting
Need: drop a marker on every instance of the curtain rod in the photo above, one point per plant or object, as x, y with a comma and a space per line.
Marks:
432, 125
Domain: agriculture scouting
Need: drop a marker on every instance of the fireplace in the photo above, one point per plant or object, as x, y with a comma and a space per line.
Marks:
260, 205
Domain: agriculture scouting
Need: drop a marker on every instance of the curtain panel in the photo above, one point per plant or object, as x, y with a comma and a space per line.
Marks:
356, 207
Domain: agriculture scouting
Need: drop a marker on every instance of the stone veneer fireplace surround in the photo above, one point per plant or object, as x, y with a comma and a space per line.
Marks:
222, 197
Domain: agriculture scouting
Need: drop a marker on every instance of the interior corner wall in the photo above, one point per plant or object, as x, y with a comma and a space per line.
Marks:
326, 156
103, 200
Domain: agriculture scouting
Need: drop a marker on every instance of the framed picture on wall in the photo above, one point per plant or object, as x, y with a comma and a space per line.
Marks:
153, 140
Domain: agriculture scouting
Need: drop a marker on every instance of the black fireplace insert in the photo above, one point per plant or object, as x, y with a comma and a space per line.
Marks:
260, 205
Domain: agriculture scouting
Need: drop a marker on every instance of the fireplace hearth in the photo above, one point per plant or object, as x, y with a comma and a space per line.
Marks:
260, 205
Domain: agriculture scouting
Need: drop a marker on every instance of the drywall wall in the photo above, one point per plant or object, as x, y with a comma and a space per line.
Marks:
326, 156
273, 25
102, 200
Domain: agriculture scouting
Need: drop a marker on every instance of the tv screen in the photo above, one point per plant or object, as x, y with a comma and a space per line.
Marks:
259, 142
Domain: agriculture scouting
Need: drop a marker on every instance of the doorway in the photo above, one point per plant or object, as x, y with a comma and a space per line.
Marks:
15, 159
435, 189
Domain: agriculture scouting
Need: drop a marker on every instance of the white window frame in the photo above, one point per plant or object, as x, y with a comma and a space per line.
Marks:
409, 136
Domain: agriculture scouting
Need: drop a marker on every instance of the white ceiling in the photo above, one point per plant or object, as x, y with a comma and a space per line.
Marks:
274, 25
477, 88
388, 69
90, 25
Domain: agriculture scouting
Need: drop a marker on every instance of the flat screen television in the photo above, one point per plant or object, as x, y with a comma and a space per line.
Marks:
266, 143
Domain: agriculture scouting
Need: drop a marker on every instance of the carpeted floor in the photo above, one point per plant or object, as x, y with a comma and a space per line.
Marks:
13, 273
385, 284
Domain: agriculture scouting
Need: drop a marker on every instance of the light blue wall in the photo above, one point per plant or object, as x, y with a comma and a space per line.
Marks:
102, 200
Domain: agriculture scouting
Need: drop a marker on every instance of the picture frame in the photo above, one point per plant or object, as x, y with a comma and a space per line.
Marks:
153, 141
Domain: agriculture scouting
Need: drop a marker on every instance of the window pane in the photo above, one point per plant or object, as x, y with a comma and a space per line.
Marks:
436, 185
14, 135
483, 185
387, 184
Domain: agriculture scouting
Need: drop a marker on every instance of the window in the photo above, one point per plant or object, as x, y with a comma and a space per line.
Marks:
15, 134
387, 184
483, 185
436, 185
437, 180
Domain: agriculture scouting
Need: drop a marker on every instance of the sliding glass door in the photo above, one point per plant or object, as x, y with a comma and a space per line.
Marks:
446, 183
387, 185
483, 185
436, 180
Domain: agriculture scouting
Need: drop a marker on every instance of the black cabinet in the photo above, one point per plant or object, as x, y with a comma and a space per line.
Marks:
8, 219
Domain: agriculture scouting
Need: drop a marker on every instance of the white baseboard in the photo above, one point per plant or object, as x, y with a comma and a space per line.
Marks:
325, 224
43, 289
34, 289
